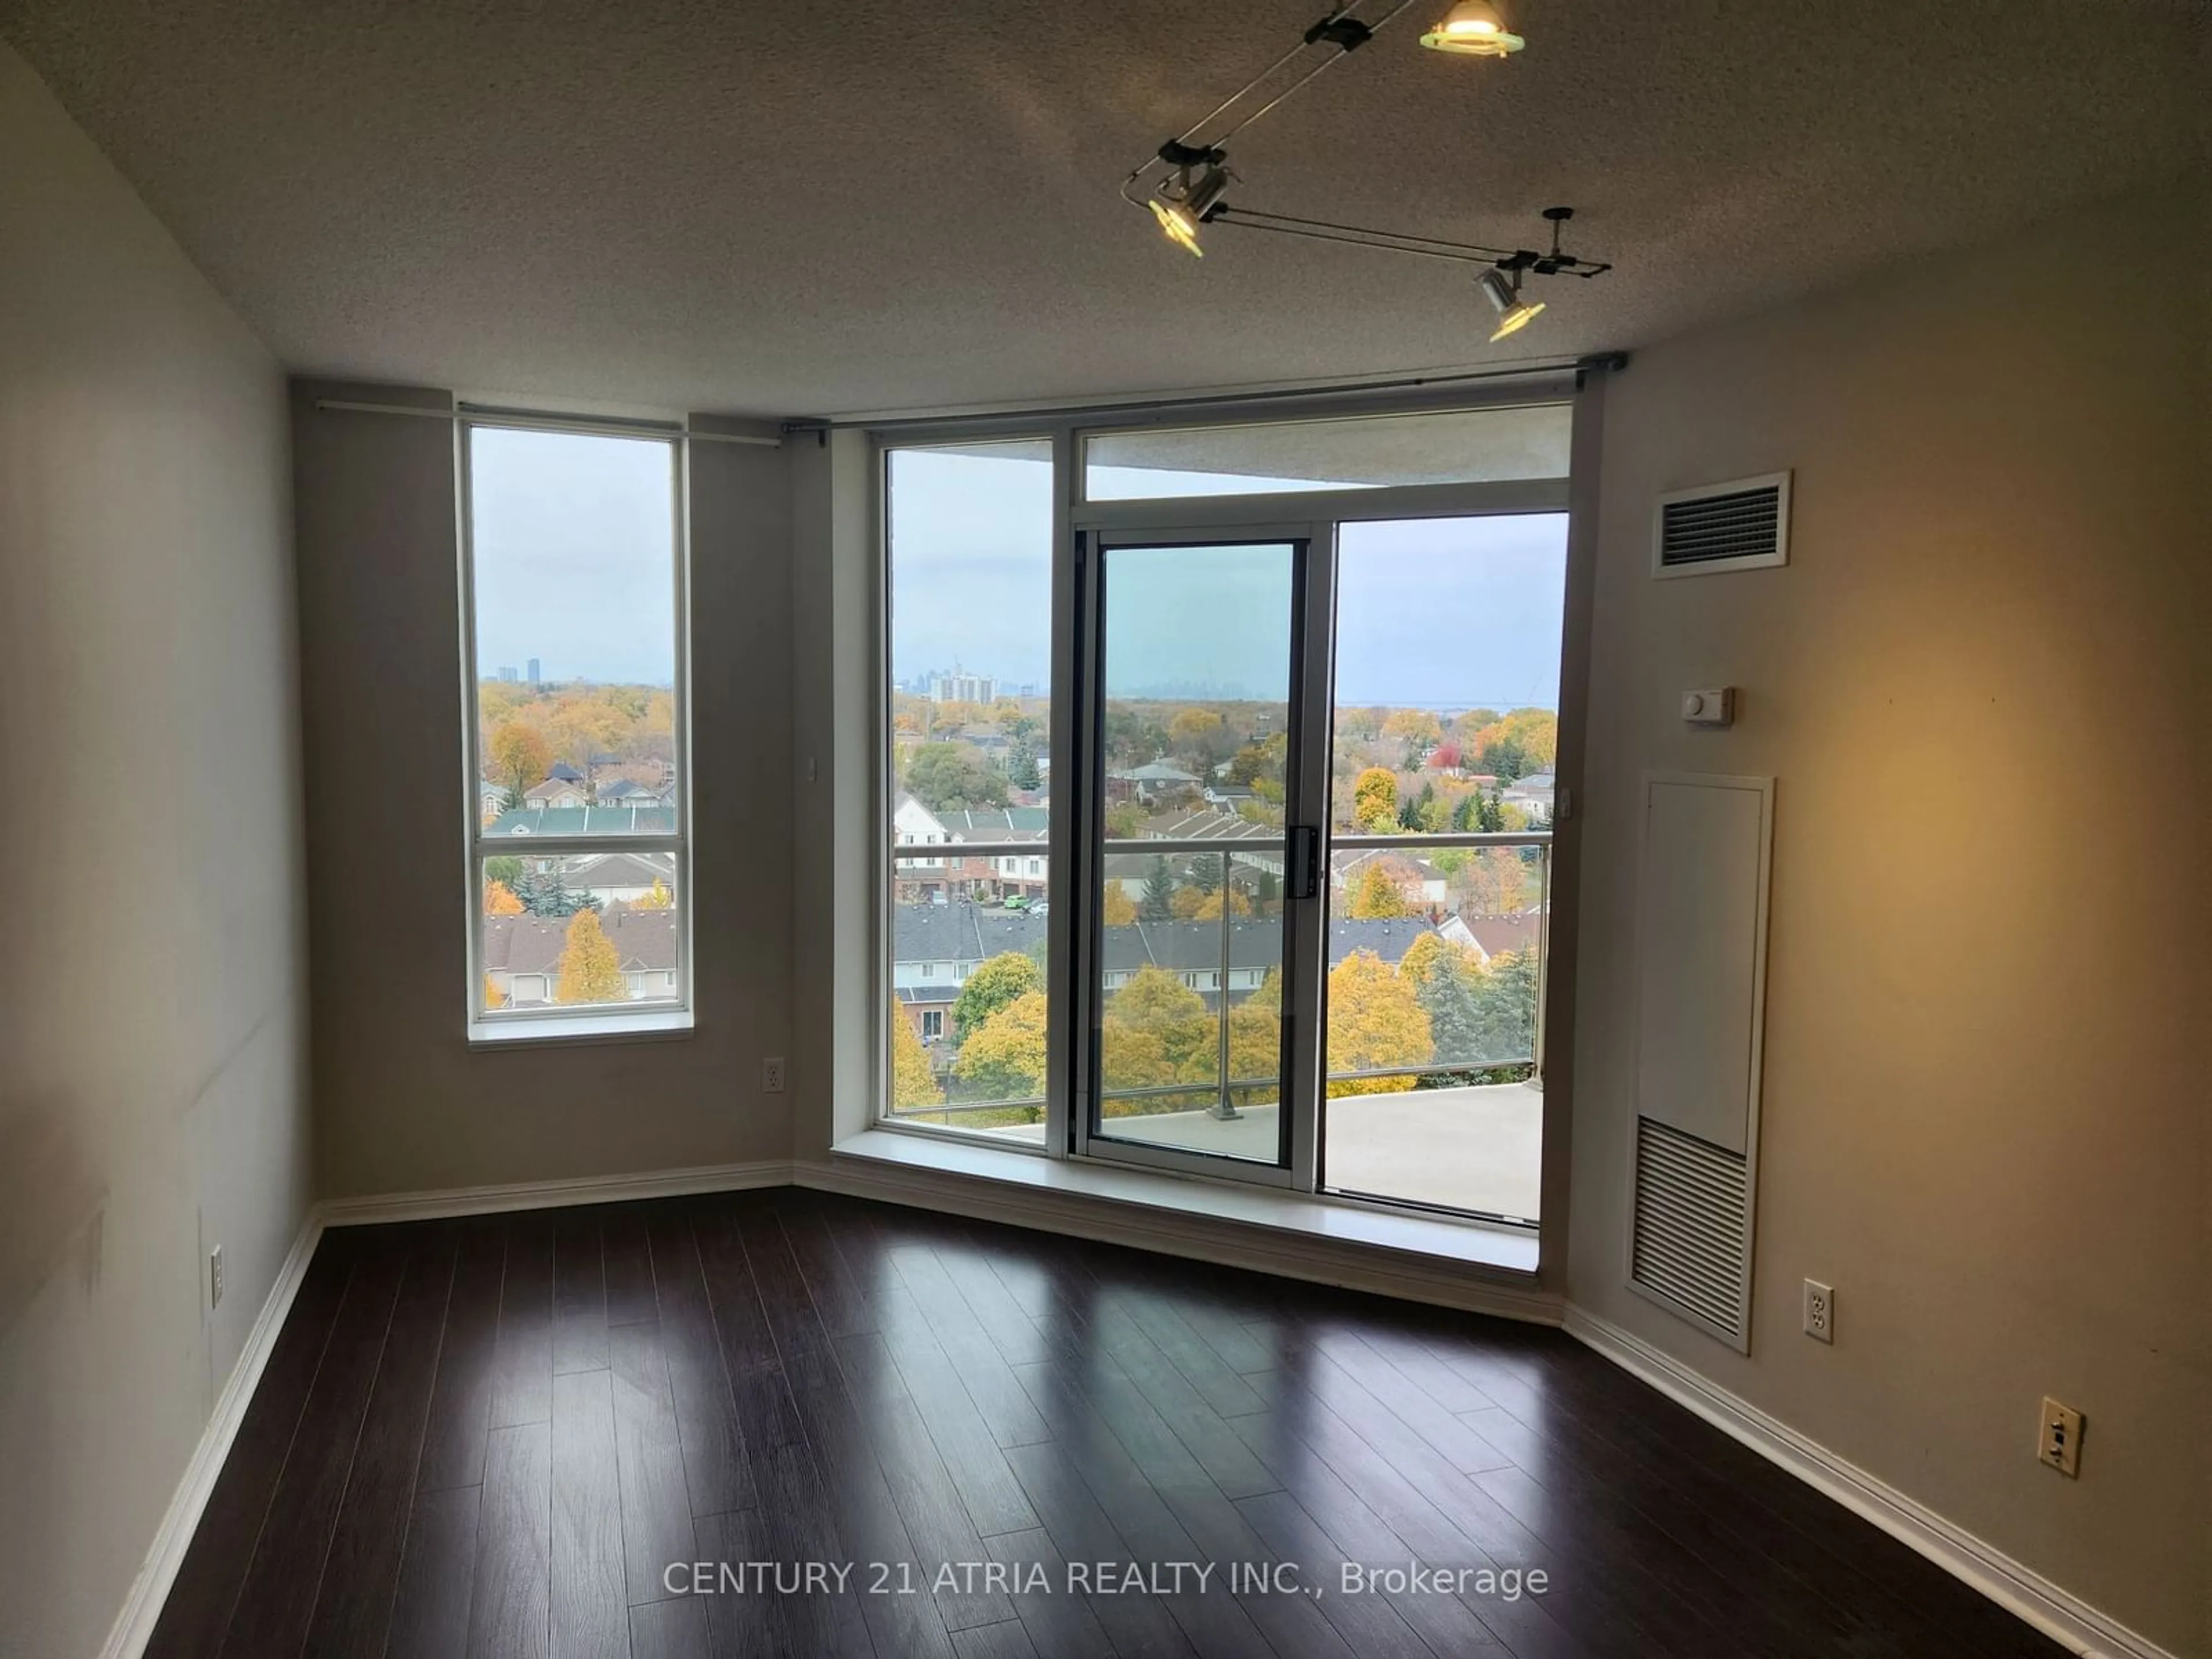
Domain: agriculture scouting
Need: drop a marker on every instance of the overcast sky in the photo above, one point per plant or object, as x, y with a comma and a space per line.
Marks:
574, 555
574, 565
1439, 613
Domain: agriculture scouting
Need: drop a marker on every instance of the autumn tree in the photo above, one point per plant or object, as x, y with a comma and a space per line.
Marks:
1003, 979
1004, 1059
591, 969
913, 1082
520, 755
657, 897
493, 996
1208, 908
1374, 801
946, 776
1377, 896
499, 900
1373, 1020
1200, 737
1116, 908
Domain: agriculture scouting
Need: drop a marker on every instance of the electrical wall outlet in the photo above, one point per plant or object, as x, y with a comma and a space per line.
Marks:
215, 1277
772, 1076
2058, 1438
1819, 1312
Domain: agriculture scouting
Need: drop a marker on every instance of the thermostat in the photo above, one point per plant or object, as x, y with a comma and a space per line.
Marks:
1715, 707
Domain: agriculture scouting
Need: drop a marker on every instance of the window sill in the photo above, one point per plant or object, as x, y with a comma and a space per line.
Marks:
1304, 1216
525, 1033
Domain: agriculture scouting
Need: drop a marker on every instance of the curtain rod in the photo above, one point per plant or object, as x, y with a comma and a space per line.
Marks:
1604, 362
538, 420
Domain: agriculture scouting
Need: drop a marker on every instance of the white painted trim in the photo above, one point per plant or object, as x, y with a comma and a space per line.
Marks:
141, 1607
2057, 1613
552, 1194
1258, 1248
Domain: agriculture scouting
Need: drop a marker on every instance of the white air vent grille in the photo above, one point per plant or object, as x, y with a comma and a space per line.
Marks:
1691, 1226
1741, 525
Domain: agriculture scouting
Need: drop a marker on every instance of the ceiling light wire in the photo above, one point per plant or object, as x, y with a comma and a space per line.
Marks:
1317, 35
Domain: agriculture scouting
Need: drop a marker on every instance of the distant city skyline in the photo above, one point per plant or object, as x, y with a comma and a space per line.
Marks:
1446, 615
573, 555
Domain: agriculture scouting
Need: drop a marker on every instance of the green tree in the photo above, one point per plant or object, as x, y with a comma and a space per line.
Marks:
1376, 896
1005, 1059
591, 969
1001, 980
1022, 765
913, 1082
1373, 1020
947, 776
504, 869
1506, 996
1158, 902
1446, 981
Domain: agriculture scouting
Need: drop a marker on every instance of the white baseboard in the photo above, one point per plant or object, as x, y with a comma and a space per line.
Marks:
553, 1194
2057, 1613
1233, 1244
142, 1608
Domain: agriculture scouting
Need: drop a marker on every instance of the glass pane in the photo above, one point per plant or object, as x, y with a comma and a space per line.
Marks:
970, 532
581, 930
1196, 729
1446, 728
1363, 453
573, 546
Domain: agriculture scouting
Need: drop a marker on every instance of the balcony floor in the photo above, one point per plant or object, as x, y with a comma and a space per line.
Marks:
1464, 1149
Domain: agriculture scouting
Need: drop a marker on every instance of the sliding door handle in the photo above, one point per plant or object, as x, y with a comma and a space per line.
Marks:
1303, 856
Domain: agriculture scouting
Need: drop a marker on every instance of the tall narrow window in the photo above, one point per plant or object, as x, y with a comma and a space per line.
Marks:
971, 778
579, 875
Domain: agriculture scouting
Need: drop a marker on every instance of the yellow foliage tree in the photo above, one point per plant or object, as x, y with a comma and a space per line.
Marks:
591, 970
499, 900
913, 1082
1373, 1020
657, 897
520, 754
1374, 801
493, 997
1208, 908
1004, 1059
1117, 909
1376, 896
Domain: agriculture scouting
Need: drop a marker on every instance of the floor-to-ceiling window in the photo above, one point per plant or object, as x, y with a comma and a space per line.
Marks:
1303, 767
970, 780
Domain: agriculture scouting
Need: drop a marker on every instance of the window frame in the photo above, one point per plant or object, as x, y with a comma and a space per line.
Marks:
1077, 517
582, 1022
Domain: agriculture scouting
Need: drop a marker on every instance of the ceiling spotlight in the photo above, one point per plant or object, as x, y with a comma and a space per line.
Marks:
1183, 203
1474, 27
1503, 290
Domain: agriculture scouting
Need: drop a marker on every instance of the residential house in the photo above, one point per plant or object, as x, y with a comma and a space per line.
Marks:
522, 954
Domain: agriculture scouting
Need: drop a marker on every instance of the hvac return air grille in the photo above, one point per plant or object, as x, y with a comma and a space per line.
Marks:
1689, 1231
1731, 526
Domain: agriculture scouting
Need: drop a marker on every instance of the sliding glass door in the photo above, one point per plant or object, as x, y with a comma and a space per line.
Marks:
1190, 963
1316, 872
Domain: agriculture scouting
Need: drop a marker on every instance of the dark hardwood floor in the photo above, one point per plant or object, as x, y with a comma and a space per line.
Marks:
516, 1435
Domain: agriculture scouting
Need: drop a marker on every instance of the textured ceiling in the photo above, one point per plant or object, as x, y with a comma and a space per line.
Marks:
825, 207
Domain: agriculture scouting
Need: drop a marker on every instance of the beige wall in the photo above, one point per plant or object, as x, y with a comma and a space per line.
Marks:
152, 1004
1980, 683
403, 1104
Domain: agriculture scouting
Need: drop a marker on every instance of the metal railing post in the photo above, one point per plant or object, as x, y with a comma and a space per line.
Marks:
1224, 1107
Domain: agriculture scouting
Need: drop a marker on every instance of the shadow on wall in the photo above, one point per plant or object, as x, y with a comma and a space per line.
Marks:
51, 1206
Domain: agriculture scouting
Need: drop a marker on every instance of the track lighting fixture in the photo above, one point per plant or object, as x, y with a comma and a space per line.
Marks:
1182, 200
1502, 287
1474, 28
1186, 183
